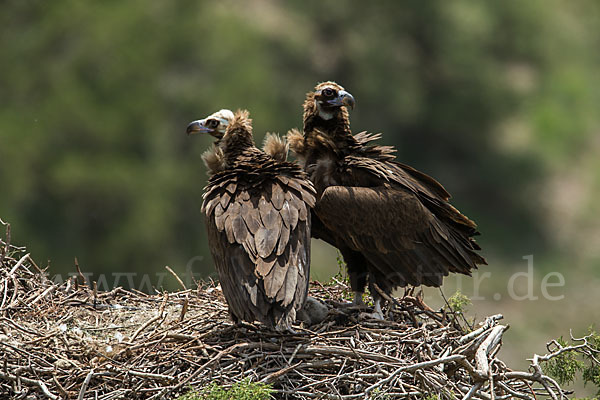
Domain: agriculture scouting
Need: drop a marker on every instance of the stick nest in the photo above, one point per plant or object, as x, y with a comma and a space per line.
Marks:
70, 341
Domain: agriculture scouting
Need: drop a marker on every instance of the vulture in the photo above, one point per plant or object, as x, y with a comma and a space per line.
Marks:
216, 124
257, 211
394, 225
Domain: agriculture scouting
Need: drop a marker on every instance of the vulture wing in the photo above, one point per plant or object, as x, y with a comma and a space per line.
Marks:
260, 240
397, 233
367, 171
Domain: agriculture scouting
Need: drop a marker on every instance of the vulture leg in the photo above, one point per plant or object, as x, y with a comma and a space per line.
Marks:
355, 262
377, 283
357, 272
290, 330
377, 312
358, 300
319, 231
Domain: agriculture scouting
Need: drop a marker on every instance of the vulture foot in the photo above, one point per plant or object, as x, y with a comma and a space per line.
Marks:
377, 312
291, 330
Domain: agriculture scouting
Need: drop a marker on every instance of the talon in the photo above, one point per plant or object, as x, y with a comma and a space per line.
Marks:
377, 312
291, 330
373, 315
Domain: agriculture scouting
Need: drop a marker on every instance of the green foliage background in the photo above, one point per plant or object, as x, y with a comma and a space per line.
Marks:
498, 100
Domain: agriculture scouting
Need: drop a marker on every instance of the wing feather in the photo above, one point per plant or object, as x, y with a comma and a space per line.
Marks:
224, 199
286, 293
302, 210
399, 235
283, 240
219, 217
265, 240
209, 206
231, 187
229, 228
274, 280
240, 231
251, 216
293, 216
264, 266
260, 239
277, 196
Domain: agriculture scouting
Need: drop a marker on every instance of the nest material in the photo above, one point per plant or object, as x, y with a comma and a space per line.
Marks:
70, 341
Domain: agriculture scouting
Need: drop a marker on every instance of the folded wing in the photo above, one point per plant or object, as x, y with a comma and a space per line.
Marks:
397, 233
260, 240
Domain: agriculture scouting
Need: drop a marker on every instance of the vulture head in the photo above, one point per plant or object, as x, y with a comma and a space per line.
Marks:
328, 100
215, 124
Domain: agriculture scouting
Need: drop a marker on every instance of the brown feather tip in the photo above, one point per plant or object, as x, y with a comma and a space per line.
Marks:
276, 146
295, 139
241, 122
213, 159
323, 85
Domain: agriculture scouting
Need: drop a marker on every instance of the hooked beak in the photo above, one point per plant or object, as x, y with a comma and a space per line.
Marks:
197, 127
343, 99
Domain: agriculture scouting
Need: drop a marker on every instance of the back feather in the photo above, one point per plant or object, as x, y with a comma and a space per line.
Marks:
213, 159
275, 146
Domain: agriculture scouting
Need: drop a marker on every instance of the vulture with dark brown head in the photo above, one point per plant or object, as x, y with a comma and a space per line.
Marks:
393, 224
257, 213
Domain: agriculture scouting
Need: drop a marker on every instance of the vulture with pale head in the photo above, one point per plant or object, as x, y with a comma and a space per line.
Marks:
257, 211
393, 224
216, 124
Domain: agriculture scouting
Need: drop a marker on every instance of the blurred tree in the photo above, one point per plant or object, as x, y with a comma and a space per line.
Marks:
492, 98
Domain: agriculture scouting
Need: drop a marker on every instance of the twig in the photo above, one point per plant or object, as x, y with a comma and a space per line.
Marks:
42, 295
481, 355
274, 375
184, 308
151, 321
80, 274
18, 264
33, 382
415, 367
125, 349
177, 278
85, 384
489, 322
472, 391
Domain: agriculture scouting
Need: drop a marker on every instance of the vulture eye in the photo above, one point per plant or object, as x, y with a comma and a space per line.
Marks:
212, 124
328, 92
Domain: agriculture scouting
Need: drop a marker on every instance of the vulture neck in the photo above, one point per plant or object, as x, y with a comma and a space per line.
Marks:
235, 145
337, 127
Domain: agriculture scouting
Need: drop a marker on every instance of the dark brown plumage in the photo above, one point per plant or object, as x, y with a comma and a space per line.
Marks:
257, 213
393, 224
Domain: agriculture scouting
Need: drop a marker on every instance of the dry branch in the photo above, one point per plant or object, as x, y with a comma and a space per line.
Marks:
68, 340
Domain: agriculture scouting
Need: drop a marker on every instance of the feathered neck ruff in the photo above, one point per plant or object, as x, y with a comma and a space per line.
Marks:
238, 137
